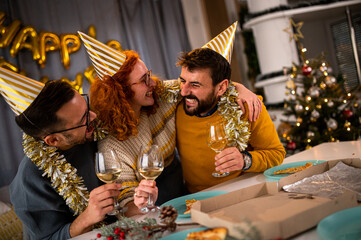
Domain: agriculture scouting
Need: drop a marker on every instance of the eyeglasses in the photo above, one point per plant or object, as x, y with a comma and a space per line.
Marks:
86, 97
146, 79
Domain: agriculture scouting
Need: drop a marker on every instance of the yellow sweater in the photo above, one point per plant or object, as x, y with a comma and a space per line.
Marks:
198, 159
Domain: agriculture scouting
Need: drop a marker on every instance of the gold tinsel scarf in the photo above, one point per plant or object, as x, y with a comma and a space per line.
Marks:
62, 175
236, 129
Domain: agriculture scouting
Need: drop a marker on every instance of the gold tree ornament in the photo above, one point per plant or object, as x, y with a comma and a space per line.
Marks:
294, 30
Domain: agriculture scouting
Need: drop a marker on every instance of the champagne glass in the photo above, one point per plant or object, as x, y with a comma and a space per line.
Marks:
217, 141
108, 169
150, 165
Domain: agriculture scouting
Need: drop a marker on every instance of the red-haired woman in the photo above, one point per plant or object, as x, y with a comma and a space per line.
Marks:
128, 106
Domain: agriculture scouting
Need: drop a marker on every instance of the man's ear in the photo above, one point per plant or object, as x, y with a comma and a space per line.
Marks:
52, 140
222, 87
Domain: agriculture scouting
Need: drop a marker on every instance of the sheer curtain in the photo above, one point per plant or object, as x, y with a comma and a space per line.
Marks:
153, 28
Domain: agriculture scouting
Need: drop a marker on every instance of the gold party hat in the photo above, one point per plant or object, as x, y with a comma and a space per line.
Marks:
105, 59
19, 91
223, 43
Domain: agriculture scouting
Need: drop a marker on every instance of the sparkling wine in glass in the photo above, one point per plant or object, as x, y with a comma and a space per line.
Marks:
150, 165
108, 169
217, 141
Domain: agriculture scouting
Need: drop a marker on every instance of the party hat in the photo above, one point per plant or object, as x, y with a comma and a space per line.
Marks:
105, 59
223, 43
19, 91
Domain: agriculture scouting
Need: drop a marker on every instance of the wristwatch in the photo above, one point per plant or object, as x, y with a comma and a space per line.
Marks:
247, 157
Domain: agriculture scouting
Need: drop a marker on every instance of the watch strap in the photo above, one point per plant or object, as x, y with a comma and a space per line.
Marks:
247, 160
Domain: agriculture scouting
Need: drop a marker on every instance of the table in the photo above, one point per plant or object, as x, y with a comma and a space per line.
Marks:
324, 151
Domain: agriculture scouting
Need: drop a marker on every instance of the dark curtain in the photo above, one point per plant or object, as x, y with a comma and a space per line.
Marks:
153, 28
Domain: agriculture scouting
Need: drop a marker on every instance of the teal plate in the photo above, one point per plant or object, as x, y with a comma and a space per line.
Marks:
269, 172
180, 203
182, 235
342, 225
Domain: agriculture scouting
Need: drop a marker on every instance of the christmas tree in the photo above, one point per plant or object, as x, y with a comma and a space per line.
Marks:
319, 106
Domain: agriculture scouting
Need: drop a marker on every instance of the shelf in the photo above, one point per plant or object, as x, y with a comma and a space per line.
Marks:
309, 13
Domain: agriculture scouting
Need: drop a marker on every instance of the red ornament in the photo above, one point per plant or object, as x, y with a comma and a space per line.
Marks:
99, 235
347, 113
306, 70
110, 238
117, 230
291, 145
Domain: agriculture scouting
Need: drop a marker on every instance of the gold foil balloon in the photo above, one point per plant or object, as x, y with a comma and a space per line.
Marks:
5, 64
44, 79
77, 83
8, 33
90, 74
49, 42
92, 32
69, 43
22, 41
115, 44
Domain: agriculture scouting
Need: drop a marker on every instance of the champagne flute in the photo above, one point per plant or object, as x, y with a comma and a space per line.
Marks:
217, 141
150, 165
108, 169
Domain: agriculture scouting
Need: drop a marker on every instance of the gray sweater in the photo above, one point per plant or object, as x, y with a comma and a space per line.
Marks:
38, 205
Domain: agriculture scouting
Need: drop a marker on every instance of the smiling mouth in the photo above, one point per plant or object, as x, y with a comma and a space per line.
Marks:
191, 101
148, 94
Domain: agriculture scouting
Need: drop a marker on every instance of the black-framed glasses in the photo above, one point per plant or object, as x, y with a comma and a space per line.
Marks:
87, 115
146, 79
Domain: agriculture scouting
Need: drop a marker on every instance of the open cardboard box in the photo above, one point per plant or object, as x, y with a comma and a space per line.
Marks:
265, 211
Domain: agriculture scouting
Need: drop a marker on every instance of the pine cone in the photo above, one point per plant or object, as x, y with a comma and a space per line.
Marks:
168, 215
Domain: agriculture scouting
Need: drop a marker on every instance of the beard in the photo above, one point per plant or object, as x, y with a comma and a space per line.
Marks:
72, 140
203, 106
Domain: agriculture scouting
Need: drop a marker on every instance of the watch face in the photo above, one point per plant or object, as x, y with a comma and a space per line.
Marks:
247, 161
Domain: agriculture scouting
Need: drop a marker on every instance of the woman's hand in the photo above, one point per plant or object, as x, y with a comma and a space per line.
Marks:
142, 192
253, 102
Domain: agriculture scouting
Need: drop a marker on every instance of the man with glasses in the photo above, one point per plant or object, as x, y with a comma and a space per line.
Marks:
60, 117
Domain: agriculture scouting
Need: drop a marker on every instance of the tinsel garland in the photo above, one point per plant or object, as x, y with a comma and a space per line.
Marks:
236, 129
62, 175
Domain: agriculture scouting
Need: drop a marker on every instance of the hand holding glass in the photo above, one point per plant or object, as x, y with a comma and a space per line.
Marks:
108, 169
217, 141
150, 165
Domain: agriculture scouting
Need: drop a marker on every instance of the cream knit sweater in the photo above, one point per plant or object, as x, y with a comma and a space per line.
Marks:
158, 128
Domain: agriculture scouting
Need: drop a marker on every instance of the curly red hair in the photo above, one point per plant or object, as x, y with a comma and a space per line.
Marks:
108, 98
